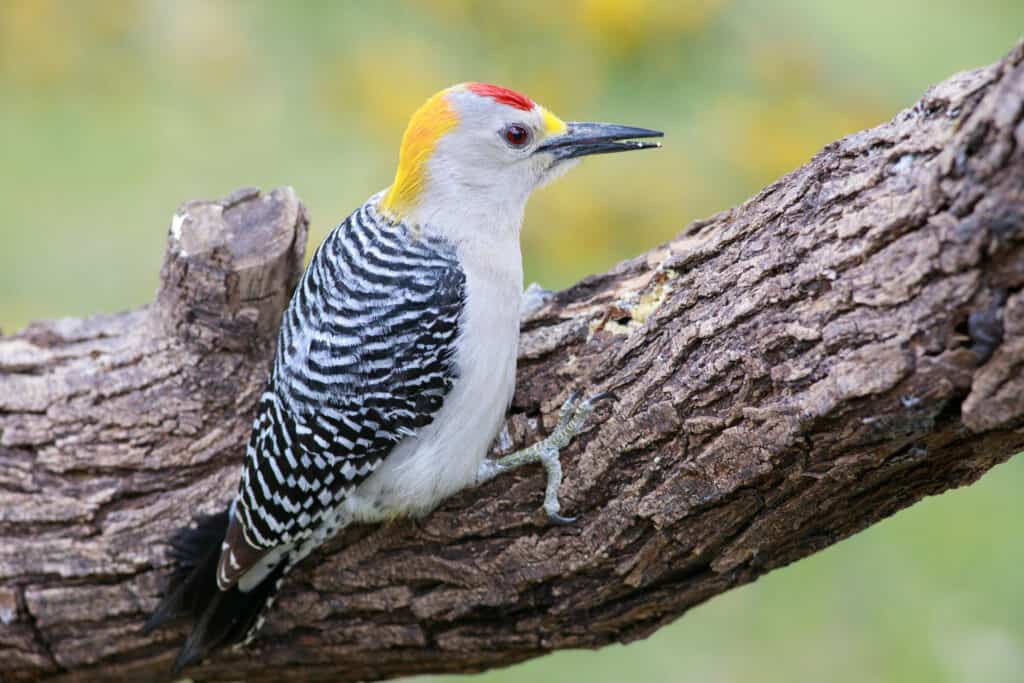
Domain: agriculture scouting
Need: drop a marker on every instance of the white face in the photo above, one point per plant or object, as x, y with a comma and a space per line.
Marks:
491, 154
470, 159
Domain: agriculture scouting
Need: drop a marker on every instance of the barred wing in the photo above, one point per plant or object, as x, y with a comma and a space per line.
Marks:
365, 358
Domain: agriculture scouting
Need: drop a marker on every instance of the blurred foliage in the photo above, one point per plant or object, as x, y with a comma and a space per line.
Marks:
113, 112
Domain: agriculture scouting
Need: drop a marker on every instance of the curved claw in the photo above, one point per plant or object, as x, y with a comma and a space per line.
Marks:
558, 519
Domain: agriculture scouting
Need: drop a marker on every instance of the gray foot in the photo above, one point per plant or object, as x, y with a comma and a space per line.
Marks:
571, 420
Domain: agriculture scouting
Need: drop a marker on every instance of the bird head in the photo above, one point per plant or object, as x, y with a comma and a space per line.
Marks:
476, 151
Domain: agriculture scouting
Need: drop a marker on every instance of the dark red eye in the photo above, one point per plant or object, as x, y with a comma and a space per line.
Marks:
517, 136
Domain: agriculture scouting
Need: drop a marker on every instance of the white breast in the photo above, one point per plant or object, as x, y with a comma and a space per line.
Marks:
445, 455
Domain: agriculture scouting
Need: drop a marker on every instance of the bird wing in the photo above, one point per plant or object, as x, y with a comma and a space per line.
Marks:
365, 357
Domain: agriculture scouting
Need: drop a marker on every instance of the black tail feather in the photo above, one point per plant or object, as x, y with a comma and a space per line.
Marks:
227, 619
193, 581
219, 618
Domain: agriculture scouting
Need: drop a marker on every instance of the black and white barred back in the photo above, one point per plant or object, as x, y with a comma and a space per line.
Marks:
365, 358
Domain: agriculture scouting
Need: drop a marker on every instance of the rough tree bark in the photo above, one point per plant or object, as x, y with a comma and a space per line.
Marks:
788, 372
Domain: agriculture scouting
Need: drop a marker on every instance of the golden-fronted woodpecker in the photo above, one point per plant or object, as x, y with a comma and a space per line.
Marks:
395, 361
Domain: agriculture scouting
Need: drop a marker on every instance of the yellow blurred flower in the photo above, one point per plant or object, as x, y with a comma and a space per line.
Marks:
626, 26
39, 43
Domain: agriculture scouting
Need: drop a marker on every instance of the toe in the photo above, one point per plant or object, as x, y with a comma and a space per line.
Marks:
569, 407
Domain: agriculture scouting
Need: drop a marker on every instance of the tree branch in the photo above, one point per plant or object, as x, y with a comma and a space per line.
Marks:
788, 372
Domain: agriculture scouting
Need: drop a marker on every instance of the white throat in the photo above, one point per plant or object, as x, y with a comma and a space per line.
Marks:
465, 216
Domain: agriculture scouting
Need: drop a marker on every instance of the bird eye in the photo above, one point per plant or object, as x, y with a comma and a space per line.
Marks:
516, 135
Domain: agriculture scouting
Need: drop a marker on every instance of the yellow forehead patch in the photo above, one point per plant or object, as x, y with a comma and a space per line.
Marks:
428, 124
552, 124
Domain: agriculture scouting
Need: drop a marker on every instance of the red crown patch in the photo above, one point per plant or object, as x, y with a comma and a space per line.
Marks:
502, 95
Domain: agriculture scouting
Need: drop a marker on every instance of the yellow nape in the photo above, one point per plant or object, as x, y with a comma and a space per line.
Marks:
552, 124
431, 121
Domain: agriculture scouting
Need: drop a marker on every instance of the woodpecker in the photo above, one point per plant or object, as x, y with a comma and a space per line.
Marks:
395, 361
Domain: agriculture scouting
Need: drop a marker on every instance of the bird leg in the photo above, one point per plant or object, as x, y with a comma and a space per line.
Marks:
571, 419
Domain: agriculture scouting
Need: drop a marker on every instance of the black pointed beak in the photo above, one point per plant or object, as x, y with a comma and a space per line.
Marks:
583, 139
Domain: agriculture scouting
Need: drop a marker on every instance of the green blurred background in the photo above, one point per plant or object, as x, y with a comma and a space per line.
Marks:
113, 112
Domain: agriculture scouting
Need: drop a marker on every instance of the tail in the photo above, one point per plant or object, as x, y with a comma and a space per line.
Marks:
219, 618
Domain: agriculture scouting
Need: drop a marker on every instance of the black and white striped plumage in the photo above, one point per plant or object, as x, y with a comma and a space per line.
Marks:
365, 358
